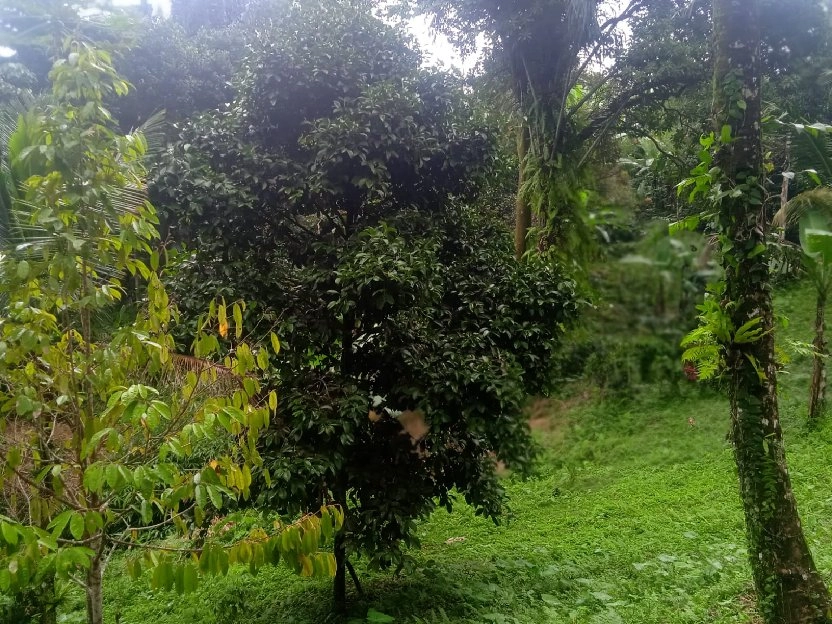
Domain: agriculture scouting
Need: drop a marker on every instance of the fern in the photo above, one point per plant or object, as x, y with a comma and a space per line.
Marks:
705, 345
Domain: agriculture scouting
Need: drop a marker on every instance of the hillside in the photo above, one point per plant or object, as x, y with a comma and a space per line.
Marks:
631, 516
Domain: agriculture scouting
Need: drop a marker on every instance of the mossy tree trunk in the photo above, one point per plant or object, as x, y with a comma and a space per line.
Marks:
788, 586
817, 392
523, 211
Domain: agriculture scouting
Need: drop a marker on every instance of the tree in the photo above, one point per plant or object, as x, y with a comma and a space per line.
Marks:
194, 15
671, 43
815, 209
544, 50
789, 588
179, 73
36, 30
338, 179
98, 420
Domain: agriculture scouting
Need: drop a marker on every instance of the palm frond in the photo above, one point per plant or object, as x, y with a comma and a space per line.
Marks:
153, 131
811, 148
817, 200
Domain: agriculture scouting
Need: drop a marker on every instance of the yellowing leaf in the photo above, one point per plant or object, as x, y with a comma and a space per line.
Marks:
275, 343
263, 359
306, 566
222, 319
238, 320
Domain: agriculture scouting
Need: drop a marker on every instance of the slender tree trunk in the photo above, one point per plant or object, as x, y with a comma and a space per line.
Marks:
95, 596
339, 587
788, 586
817, 393
522, 209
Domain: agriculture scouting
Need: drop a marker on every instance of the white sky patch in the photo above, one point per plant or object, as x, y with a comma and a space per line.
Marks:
437, 50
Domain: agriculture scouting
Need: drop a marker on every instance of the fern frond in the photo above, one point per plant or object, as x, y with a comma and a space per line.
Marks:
699, 336
702, 353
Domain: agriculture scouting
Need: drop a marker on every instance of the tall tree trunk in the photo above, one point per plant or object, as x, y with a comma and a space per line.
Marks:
817, 393
788, 586
522, 209
95, 595
339, 587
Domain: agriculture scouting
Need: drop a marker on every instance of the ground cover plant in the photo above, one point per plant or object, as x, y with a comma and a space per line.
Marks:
631, 515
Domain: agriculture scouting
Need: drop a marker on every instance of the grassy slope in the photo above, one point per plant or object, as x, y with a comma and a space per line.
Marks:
632, 516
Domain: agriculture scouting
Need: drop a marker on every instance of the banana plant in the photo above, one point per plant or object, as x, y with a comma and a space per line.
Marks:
812, 212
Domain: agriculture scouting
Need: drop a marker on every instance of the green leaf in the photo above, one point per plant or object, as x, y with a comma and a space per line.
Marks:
236, 413
14, 457
113, 476
9, 533
749, 331
275, 343
94, 477
76, 525
146, 511
59, 523
134, 568
687, 224
23, 270
189, 578
199, 494
377, 617
93, 521
215, 495
162, 408
758, 249
92, 445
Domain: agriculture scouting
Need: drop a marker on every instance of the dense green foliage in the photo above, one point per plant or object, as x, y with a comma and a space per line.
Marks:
98, 422
411, 337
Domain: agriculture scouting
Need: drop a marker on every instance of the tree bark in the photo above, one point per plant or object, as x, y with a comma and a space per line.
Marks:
522, 209
339, 587
817, 394
788, 587
95, 596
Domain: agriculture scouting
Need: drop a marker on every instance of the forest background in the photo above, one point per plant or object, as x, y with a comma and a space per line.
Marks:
274, 288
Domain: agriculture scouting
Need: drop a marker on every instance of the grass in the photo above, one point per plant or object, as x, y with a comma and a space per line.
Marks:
631, 516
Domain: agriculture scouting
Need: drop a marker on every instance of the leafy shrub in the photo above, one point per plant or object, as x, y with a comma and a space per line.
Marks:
330, 195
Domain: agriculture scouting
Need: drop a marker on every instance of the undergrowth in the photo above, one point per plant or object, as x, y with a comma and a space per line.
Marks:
632, 515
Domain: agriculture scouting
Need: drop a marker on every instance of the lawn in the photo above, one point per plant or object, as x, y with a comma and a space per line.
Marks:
632, 515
